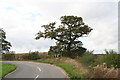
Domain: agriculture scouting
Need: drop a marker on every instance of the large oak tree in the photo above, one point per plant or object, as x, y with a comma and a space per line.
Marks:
66, 35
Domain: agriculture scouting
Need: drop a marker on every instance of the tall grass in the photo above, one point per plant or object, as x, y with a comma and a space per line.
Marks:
101, 71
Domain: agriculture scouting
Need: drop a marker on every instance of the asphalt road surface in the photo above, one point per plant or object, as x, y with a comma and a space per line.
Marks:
35, 71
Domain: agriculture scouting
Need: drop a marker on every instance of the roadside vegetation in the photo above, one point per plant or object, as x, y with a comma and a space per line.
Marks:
105, 65
6, 68
88, 65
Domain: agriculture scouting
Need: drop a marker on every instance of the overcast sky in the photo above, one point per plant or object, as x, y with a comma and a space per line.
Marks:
22, 19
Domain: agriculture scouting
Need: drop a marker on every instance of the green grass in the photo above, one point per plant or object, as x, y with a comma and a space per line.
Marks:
69, 68
6, 68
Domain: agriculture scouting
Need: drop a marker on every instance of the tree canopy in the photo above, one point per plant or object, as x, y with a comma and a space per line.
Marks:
66, 35
4, 44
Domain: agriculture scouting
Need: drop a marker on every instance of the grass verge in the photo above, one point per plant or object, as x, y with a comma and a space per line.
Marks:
69, 68
6, 68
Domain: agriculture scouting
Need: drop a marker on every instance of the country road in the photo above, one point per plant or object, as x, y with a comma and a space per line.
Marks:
35, 71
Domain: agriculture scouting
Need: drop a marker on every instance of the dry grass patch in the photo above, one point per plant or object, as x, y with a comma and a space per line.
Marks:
101, 71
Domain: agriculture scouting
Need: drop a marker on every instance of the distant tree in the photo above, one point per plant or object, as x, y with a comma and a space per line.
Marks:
66, 35
4, 44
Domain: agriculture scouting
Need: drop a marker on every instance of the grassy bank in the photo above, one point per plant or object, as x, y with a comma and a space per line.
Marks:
70, 66
6, 68
70, 69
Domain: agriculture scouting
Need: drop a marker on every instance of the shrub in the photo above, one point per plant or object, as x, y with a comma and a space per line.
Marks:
8, 56
19, 56
111, 58
88, 58
25, 57
31, 56
44, 56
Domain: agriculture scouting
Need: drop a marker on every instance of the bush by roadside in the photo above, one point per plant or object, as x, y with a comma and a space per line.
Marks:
31, 56
88, 58
25, 56
104, 65
111, 58
8, 56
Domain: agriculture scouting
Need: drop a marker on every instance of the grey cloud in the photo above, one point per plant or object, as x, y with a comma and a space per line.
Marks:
21, 29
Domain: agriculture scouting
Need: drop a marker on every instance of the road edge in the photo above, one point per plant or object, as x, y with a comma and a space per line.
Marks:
11, 71
62, 70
